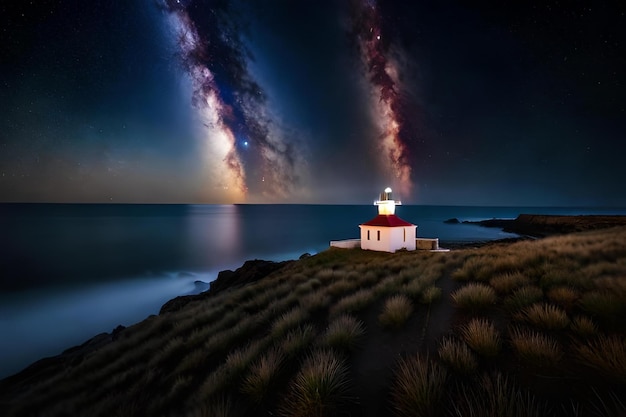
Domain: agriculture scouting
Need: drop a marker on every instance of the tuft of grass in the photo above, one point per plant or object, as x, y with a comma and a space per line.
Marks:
482, 337
474, 296
583, 326
603, 304
396, 312
606, 354
563, 296
220, 407
430, 294
418, 387
298, 339
320, 388
546, 316
258, 383
457, 356
496, 395
506, 283
344, 333
523, 297
535, 348
288, 321
314, 302
353, 303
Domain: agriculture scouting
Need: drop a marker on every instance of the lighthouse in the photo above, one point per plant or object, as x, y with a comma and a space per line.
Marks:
387, 232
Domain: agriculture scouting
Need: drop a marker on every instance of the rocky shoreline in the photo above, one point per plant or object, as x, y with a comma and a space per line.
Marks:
542, 225
254, 270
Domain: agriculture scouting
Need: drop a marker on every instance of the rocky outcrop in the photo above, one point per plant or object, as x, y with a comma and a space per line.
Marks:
541, 225
250, 271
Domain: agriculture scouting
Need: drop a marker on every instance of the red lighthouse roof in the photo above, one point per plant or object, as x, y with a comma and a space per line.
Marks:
387, 220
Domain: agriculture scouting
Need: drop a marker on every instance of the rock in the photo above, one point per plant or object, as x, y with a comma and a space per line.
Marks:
250, 271
453, 220
305, 255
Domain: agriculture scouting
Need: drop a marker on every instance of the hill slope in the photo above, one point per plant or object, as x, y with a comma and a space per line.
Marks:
523, 328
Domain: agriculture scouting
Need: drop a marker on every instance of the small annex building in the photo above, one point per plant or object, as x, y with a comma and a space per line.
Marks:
387, 232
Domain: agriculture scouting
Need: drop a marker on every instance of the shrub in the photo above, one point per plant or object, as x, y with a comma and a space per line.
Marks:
320, 387
396, 311
606, 354
523, 297
535, 347
506, 283
482, 337
456, 355
474, 296
430, 294
418, 387
546, 316
344, 333
583, 326
263, 373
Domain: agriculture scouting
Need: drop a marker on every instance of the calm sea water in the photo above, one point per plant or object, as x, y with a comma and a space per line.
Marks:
68, 272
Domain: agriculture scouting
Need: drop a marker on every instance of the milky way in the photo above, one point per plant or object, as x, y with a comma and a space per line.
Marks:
387, 101
246, 152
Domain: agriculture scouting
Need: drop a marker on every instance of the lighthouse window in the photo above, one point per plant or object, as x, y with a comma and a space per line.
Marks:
404, 230
368, 235
378, 234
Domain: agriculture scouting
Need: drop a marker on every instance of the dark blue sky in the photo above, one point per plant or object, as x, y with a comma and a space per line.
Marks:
450, 102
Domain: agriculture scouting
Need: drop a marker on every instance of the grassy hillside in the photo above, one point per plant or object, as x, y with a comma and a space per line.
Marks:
530, 328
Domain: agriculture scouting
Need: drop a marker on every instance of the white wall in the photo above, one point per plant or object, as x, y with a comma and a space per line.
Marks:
391, 238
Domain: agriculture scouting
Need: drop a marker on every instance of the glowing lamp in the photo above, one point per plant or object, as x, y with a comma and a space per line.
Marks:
386, 204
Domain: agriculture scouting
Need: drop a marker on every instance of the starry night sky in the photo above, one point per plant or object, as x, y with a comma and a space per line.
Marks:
198, 101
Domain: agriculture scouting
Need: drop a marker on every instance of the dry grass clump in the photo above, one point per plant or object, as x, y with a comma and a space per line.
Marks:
418, 387
320, 388
475, 268
606, 354
523, 297
288, 320
506, 283
430, 294
495, 396
545, 316
396, 311
603, 304
258, 383
298, 339
344, 333
563, 296
583, 326
482, 336
474, 296
457, 356
534, 347
354, 302
314, 302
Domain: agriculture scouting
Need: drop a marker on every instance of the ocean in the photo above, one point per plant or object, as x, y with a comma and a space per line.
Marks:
71, 271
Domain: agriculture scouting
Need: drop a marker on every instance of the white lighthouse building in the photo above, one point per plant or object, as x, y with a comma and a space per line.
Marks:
387, 232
